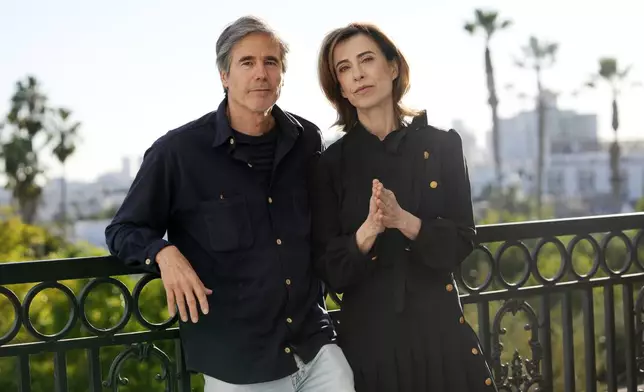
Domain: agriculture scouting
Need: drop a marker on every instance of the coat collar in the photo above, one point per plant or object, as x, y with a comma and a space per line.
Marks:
393, 141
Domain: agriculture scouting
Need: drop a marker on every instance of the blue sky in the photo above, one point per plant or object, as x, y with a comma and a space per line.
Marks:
131, 70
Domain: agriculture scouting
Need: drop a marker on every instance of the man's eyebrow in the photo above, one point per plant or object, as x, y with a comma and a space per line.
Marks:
248, 58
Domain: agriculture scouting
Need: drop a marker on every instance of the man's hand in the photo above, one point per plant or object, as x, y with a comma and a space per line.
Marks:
182, 285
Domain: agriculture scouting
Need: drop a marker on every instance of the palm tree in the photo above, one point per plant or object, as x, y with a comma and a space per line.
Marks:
20, 150
64, 133
489, 22
616, 79
539, 55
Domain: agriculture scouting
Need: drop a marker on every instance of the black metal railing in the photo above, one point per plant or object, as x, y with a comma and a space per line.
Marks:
575, 287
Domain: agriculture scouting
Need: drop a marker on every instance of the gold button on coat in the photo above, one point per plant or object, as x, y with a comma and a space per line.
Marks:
461, 320
449, 287
426, 155
475, 351
287, 350
433, 184
488, 381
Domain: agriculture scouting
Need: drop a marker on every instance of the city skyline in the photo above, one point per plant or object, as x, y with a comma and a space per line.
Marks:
130, 72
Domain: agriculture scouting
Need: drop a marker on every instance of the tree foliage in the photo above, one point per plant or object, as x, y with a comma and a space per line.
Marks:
33, 127
50, 310
490, 24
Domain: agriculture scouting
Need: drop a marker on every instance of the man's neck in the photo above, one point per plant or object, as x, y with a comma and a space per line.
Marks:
380, 121
249, 123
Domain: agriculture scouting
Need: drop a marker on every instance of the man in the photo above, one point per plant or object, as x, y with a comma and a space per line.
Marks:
231, 190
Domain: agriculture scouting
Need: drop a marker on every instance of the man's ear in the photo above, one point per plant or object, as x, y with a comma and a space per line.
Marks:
224, 79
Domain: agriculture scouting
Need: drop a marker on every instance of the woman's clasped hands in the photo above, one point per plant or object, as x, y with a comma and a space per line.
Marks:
387, 212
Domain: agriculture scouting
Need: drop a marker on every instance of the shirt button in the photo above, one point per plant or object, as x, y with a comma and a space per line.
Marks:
232, 141
287, 350
270, 200
250, 164
279, 242
289, 320
148, 261
288, 282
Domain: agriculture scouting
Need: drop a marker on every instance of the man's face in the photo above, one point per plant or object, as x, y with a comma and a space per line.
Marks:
254, 81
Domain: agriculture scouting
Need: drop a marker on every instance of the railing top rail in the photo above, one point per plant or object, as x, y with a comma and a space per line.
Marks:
558, 227
90, 267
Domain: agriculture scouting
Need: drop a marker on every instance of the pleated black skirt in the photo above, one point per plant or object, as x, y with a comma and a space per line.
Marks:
429, 346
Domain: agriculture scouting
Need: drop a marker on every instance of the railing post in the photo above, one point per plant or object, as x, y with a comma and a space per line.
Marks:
545, 338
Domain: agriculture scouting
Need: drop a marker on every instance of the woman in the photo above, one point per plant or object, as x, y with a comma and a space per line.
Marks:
392, 219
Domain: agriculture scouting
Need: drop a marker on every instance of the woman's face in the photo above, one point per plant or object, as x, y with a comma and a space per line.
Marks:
365, 76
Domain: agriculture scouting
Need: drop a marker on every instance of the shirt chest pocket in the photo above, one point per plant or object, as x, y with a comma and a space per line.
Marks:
228, 224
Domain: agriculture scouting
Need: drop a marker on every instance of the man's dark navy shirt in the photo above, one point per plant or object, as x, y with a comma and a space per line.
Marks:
248, 241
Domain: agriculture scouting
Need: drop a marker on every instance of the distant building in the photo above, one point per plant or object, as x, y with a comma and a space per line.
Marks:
86, 198
473, 153
576, 161
585, 175
566, 131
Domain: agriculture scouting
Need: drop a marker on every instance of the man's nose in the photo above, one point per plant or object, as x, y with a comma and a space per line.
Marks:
260, 72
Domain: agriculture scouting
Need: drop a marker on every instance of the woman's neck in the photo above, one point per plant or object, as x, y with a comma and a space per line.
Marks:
380, 121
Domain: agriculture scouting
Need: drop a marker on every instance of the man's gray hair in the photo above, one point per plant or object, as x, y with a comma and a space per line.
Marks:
236, 31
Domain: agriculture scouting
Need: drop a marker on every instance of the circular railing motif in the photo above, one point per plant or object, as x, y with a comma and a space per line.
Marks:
73, 308
82, 300
15, 326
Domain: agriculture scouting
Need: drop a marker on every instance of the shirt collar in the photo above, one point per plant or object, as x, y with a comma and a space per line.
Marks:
287, 124
419, 121
393, 140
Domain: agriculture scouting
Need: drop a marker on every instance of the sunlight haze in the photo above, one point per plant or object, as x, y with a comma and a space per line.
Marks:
131, 71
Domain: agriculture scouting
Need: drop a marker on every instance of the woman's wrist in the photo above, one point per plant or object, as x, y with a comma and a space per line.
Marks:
365, 237
409, 225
